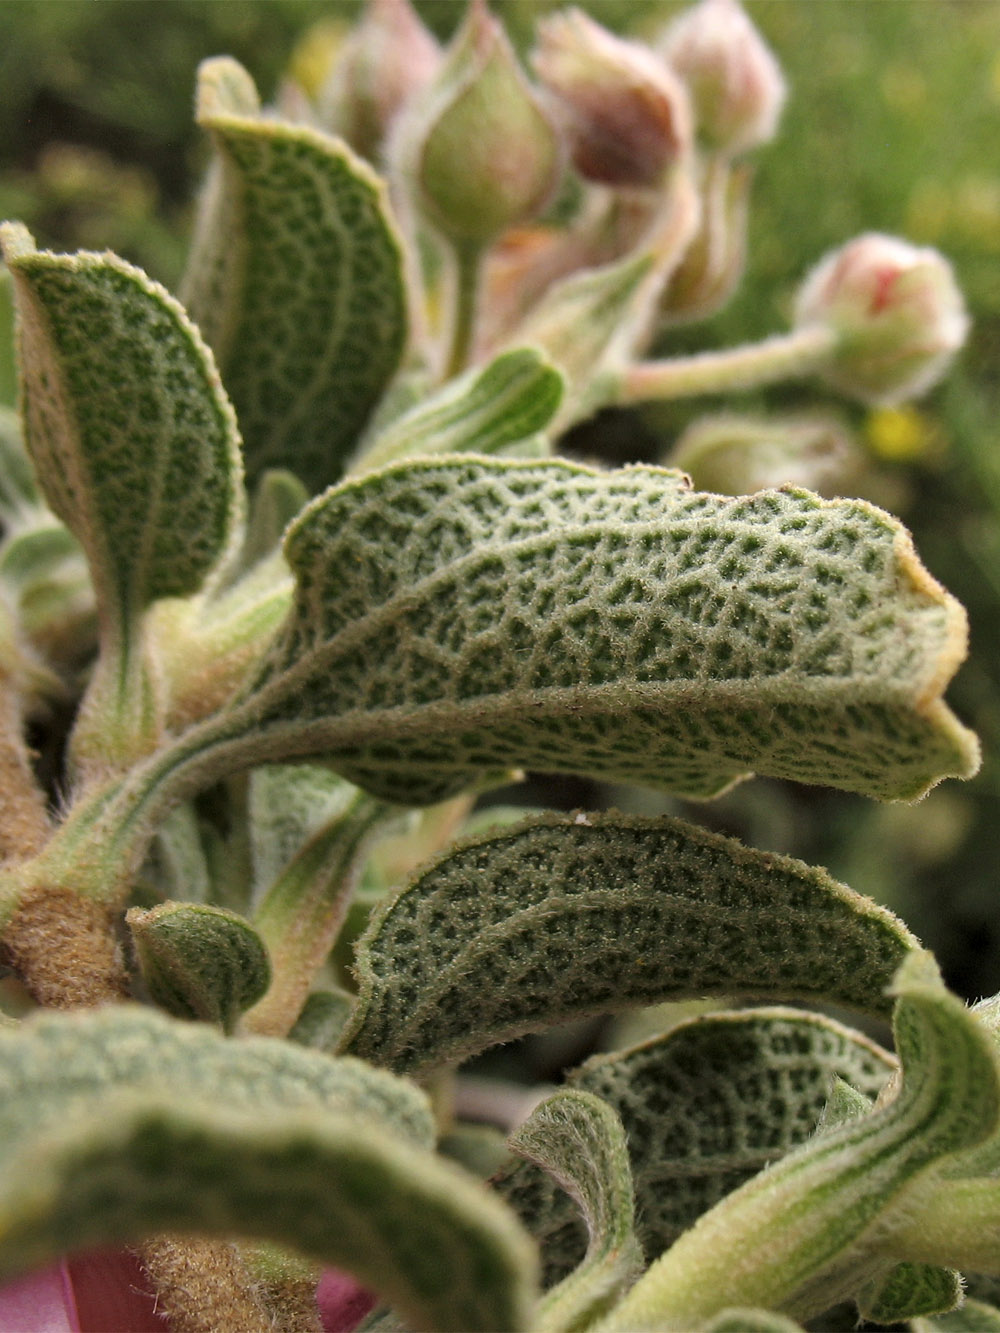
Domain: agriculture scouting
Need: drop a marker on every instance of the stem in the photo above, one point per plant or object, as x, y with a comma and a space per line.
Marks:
467, 273
302, 913
784, 356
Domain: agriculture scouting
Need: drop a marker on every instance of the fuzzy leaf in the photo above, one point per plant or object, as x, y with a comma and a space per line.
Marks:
909, 1290
296, 279
750, 1321
704, 1107
322, 1019
120, 1124
200, 962
132, 437
483, 412
579, 1141
458, 618
806, 1225
972, 1317
564, 917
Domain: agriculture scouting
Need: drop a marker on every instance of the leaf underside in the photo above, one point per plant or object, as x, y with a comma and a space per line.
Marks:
462, 617
704, 1107
121, 1124
558, 919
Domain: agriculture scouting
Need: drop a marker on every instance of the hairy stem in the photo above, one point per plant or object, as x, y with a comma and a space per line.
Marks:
468, 269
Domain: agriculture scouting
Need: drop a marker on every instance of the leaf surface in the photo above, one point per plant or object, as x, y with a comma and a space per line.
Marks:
296, 279
705, 1107
557, 919
120, 1124
459, 618
132, 437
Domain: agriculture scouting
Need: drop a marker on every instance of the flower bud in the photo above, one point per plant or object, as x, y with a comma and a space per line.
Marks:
481, 154
735, 83
897, 313
714, 262
626, 117
388, 57
738, 455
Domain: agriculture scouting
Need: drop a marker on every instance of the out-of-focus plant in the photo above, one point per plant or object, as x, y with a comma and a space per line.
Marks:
291, 573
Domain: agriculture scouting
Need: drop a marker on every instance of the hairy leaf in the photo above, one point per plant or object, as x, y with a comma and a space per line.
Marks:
132, 437
704, 1107
750, 1321
972, 1317
296, 279
807, 1226
579, 1141
460, 617
909, 1290
564, 917
120, 1124
485, 411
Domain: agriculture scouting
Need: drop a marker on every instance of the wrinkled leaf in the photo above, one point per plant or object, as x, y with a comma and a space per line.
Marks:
909, 1290
563, 917
296, 280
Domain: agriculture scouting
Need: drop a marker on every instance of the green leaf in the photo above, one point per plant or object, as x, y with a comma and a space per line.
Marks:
296, 279
704, 1107
579, 1141
972, 1317
568, 916
322, 1019
463, 617
750, 1321
18, 490
909, 1290
200, 962
120, 1123
806, 1232
278, 498
485, 411
132, 437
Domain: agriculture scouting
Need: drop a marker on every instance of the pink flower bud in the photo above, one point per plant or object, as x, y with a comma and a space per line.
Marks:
625, 116
736, 84
388, 57
480, 153
896, 310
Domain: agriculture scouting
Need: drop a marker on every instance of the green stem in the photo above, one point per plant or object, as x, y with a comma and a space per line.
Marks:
302, 912
784, 356
468, 270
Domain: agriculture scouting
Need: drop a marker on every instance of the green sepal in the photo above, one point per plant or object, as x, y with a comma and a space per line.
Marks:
579, 1140
296, 280
322, 1019
909, 1290
466, 616
122, 1123
200, 962
509, 933
820, 1222
133, 440
485, 411
752, 1082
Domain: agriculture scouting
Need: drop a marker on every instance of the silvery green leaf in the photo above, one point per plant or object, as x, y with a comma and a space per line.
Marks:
704, 1107
910, 1290
568, 916
200, 962
822, 1220
485, 411
463, 617
296, 280
133, 440
578, 1140
119, 1123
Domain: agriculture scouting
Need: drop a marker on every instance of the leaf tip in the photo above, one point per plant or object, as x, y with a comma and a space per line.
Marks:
224, 89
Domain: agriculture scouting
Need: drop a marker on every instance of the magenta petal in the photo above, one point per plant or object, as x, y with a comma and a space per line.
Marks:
342, 1302
41, 1303
112, 1294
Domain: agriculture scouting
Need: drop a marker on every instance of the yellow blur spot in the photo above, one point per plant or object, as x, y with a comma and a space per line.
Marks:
901, 434
928, 210
977, 210
904, 88
314, 53
995, 78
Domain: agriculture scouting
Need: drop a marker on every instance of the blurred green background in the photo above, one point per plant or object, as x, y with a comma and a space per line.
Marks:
892, 124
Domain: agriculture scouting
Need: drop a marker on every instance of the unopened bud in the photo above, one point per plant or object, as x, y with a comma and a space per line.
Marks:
734, 80
626, 117
388, 58
738, 455
897, 312
715, 260
481, 153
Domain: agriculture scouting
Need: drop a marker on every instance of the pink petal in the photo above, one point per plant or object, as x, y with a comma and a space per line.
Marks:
41, 1303
342, 1302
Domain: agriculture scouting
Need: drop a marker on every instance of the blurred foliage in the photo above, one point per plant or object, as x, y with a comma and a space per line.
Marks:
892, 124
